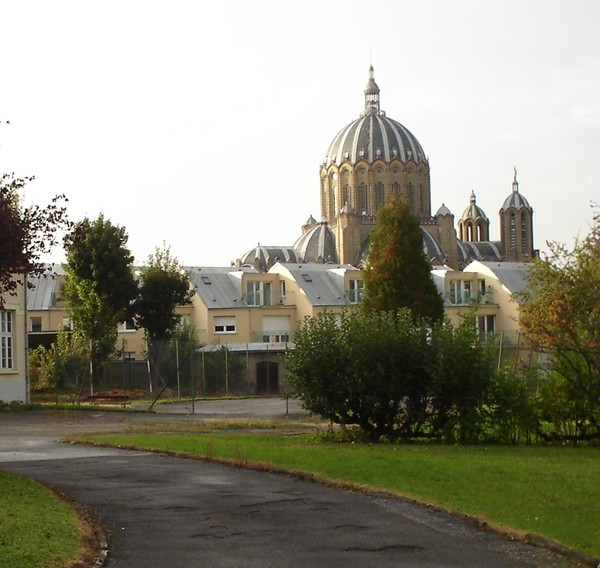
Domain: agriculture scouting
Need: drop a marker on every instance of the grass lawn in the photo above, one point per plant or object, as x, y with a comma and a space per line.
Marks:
37, 530
549, 491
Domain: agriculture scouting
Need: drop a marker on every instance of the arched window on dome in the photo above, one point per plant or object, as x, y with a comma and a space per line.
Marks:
469, 232
379, 194
411, 197
524, 250
395, 189
346, 195
362, 199
334, 201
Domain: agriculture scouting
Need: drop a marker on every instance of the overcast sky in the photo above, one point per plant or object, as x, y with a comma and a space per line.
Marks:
203, 125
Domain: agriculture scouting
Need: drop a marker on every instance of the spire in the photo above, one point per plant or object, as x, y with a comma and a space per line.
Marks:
473, 199
371, 94
515, 185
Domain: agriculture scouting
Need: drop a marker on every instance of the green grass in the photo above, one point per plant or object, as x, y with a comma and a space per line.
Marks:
37, 530
549, 491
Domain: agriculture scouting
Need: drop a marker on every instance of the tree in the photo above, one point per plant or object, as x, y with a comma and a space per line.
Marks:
26, 233
560, 314
100, 285
393, 375
163, 286
398, 274
462, 371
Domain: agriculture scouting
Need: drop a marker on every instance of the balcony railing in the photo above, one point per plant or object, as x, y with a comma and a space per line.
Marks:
272, 336
259, 299
468, 298
355, 295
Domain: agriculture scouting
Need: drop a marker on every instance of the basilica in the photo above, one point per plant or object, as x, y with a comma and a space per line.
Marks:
372, 160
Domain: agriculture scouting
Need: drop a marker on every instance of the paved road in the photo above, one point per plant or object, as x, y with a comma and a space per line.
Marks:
168, 512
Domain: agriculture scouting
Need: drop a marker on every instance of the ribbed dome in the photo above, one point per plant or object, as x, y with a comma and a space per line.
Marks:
473, 211
317, 245
515, 199
374, 136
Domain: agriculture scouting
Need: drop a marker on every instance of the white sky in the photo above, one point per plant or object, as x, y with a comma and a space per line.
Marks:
203, 124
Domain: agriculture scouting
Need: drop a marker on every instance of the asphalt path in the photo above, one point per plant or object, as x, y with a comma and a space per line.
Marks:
160, 511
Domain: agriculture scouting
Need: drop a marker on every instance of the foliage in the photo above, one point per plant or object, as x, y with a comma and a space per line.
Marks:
462, 376
560, 314
38, 529
398, 274
163, 286
392, 375
100, 284
62, 364
26, 233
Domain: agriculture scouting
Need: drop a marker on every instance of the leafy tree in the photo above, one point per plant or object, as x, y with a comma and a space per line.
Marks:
63, 364
318, 368
398, 274
26, 233
560, 314
163, 286
462, 371
393, 376
100, 284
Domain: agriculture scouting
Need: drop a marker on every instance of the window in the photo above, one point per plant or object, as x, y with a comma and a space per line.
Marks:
513, 232
379, 194
6, 340
482, 287
258, 293
224, 324
461, 292
36, 324
276, 329
127, 326
355, 293
486, 325
67, 324
282, 288
362, 199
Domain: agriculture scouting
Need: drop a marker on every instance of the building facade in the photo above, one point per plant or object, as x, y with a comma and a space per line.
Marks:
13, 348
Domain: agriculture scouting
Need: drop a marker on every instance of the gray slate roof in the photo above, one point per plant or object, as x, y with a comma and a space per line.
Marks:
323, 284
219, 287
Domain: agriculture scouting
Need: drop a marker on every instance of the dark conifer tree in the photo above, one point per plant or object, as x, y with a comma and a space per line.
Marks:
398, 274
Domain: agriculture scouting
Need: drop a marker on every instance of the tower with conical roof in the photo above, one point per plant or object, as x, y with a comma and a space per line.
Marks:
516, 226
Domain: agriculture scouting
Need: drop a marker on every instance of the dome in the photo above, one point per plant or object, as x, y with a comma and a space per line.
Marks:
317, 245
443, 211
473, 211
515, 199
262, 258
374, 136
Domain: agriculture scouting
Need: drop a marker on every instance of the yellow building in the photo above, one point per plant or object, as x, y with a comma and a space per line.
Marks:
13, 348
249, 311
485, 291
